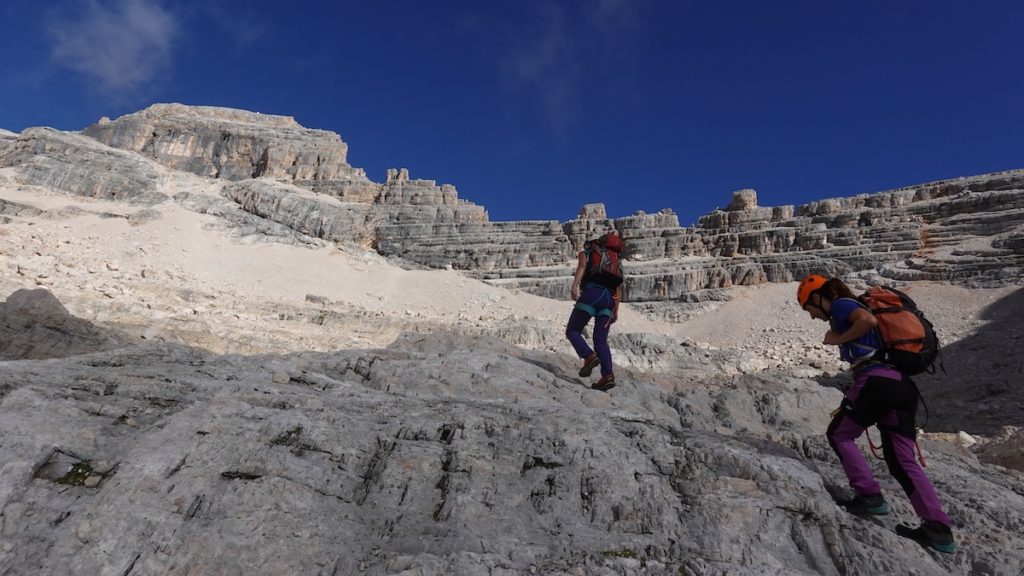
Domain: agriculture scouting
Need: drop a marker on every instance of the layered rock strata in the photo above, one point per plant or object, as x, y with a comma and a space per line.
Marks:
77, 165
966, 230
229, 144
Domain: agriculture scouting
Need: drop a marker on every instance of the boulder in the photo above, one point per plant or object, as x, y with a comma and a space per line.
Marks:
35, 325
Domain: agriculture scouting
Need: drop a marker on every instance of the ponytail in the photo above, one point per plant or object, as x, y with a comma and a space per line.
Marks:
835, 289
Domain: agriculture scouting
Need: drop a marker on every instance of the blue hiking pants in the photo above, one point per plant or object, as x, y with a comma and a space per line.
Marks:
595, 302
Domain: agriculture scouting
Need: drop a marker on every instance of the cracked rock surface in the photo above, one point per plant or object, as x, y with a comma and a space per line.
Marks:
447, 454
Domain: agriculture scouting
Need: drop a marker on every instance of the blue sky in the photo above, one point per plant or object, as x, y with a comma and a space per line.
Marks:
534, 108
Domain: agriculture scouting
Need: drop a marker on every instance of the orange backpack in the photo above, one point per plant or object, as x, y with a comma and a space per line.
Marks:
909, 340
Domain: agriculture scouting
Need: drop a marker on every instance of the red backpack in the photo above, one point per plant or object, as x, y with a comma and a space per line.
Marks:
908, 337
603, 261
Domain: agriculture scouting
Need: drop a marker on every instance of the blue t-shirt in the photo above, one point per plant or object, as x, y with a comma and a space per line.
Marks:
861, 349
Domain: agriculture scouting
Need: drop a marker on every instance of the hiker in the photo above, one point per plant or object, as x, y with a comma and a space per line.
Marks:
597, 289
880, 395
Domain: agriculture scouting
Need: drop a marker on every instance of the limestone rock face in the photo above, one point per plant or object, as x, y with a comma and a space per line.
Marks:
78, 165
7, 139
414, 219
967, 230
592, 212
229, 144
299, 210
745, 199
908, 234
485, 250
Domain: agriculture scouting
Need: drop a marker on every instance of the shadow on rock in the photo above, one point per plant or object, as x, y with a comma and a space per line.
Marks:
34, 325
979, 390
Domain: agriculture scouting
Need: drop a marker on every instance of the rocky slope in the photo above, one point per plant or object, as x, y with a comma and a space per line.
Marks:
204, 373
448, 454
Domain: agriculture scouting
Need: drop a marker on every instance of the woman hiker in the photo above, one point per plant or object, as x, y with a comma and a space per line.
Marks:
880, 395
599, 277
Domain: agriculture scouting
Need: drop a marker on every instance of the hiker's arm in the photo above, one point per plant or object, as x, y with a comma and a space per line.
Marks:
861, 322
577, 278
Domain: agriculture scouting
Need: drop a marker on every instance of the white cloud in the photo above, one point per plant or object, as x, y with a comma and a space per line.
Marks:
551, 56
243, 24
121, 44
544, 62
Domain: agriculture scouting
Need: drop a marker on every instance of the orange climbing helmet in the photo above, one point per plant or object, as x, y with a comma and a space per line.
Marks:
808, 285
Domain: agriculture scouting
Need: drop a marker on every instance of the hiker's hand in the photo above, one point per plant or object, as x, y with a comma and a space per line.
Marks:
832, 338
575, 292
614, 318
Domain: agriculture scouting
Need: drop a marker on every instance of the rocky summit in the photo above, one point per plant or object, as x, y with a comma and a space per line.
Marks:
224, 350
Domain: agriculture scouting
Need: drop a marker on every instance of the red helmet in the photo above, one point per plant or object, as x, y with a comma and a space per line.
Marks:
807, 286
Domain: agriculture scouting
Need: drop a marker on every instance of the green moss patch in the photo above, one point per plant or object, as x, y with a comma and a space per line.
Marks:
76, 475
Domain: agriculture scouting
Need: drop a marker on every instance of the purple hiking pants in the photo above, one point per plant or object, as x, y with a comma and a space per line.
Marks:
882, 395
595, 302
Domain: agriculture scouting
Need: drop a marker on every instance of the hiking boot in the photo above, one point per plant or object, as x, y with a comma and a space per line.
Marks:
605, 384
864, 505
589, 364
930, 534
